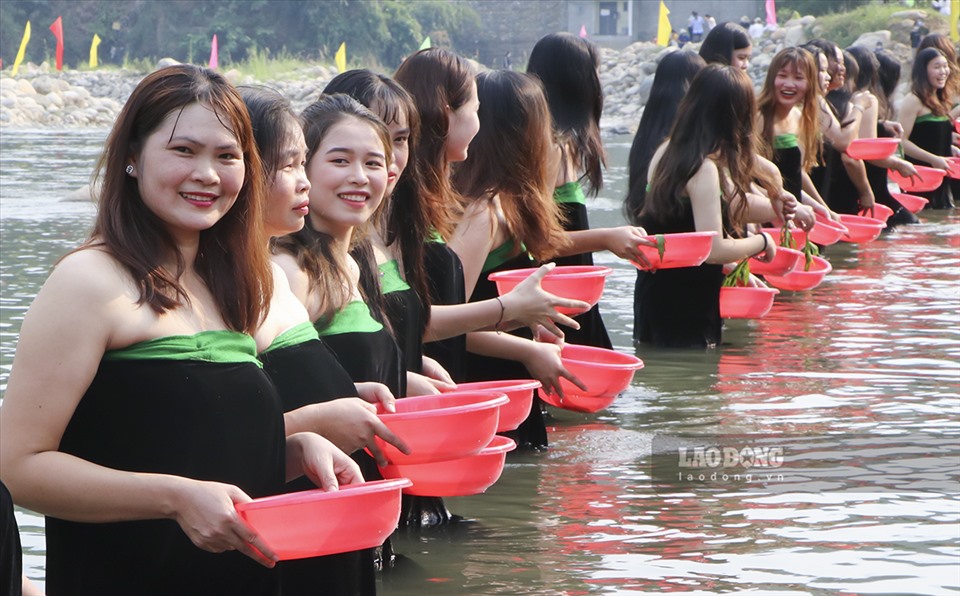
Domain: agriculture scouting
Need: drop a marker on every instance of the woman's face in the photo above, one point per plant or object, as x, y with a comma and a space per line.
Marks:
348, 177
838, 72
288, 200
938, 71
400, 137
463, 124
790, 86
741, 58
190, 170
824, 71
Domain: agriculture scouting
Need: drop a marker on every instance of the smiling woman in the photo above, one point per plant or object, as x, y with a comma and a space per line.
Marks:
125, 443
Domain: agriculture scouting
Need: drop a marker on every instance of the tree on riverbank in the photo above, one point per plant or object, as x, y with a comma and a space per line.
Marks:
376, 31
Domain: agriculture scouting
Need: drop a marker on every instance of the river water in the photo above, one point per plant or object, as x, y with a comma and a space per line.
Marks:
856, 382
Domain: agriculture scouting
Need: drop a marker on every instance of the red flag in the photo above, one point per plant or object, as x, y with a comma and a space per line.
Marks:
57, 29
214, 54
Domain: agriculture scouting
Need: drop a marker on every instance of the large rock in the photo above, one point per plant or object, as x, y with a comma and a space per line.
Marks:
165, 62
871, 39
910, 14
794, 36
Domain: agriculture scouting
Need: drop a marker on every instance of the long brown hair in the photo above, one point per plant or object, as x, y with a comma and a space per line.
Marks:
509, 156
715, 118
946, 47
406, 220
231, 258
313, 249
809, 135
437, 80
934, 99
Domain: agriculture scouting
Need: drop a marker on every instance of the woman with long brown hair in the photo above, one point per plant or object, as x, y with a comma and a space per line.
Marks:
445, 91
113, 422
925, 117
700, 180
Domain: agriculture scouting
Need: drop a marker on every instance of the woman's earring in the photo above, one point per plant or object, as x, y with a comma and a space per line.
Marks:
129, 170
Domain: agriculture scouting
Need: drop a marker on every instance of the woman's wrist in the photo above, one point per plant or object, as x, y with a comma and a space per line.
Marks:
765, 244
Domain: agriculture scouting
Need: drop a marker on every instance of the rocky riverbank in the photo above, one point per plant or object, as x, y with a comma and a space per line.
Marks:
41, 97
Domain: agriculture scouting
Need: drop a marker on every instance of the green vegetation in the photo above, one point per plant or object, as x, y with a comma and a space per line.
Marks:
845, 28
251, 34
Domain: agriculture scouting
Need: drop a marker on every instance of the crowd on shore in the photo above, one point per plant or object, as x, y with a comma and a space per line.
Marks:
317, 264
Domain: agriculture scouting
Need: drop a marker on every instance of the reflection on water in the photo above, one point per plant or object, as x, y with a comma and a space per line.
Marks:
872, 353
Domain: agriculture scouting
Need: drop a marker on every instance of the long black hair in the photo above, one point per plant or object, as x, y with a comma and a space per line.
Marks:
670, 84
567, 66
718, 46
403, 221
715, 118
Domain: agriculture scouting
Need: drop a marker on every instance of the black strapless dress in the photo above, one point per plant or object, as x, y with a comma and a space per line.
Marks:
195, 406
573, 205
305, 372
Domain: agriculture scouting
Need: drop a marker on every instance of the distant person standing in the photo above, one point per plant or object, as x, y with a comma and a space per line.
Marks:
695, 25
918, 32
710, 23
507, 61
745, 22
756, 29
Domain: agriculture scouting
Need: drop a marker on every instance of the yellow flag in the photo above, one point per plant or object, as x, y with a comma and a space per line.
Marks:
954, 15
341, 57
663, 28
93, 50
23, 49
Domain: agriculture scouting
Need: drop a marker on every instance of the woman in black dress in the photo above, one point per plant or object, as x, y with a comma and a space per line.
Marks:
126, 443
443, 86
313, 387
712, 137
925, 117
568, 66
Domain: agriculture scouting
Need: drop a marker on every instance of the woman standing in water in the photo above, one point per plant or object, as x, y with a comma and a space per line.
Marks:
670, 84
925, 117
312, 385
568, 67
444, 88
113, 423
713, 138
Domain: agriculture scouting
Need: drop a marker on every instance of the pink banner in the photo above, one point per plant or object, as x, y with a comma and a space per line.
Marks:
772, 13
214, 54
57, 29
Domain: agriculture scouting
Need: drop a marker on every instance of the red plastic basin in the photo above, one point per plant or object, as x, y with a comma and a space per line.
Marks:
878, 148
455, 478
798, 279
826, 231
784, 262
605, 373
746, 303
954, 171
579, 282
911, 203
316, 523
441, 427
956, 125
927, 179
878, 211
861, 229
520, 394
685, 249
799, 237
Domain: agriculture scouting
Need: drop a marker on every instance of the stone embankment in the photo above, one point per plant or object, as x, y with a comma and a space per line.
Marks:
40, 97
